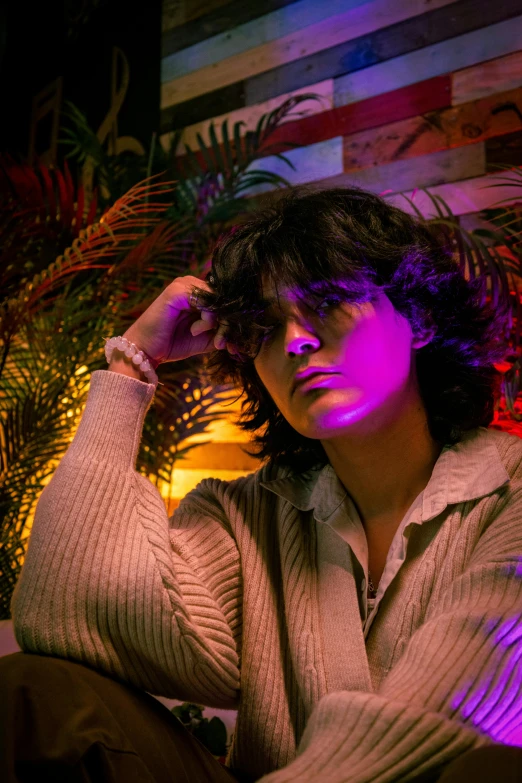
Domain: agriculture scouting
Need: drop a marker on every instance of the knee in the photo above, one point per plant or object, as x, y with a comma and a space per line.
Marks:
25, 676
21, 667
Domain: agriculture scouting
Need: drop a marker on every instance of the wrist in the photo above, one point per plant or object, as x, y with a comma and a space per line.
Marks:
126, 357
121, 364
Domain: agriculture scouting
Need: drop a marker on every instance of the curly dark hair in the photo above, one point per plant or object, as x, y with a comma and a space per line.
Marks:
309, 241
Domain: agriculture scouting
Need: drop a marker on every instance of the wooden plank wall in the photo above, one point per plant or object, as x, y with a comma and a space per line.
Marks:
413, 93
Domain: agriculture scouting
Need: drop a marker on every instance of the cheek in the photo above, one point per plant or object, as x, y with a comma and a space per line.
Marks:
377, 357
269, 375
262, 368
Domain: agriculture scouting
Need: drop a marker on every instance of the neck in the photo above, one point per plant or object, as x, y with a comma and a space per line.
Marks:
385, 470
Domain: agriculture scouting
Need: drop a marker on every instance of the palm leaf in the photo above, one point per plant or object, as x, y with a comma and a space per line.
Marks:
414, 206
254, 178
220, 165
238, 144
227, 148
205, 154
239, 141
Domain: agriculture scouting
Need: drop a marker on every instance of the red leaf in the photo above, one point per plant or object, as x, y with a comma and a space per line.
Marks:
49, 191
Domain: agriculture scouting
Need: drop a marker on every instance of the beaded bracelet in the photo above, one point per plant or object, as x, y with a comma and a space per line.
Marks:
131, 351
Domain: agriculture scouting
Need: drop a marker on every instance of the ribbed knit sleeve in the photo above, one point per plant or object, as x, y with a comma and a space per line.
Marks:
110, 581
457, 685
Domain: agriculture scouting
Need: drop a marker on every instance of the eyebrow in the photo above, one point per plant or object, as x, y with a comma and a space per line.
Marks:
265, 303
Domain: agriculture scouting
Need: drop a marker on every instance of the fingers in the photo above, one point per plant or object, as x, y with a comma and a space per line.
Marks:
219, 339
207, 322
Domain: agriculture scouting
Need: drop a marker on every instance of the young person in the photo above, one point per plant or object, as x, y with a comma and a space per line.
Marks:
358, 599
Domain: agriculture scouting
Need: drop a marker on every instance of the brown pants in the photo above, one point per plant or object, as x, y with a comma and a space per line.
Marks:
62, 721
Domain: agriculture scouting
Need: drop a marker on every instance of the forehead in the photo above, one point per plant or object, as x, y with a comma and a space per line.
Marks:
270, 292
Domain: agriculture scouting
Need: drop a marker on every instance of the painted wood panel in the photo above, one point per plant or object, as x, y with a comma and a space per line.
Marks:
463, 197
372, 80
318, 161
423, 172
454, 127
178, 12
502, 73
241, 37
210, 105
485, 78
504, 150
350, 26
456, 53
384, 44
322, 169
418, 98
186, 23
251, 115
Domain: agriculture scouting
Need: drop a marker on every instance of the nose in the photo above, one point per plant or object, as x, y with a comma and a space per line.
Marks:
299, 340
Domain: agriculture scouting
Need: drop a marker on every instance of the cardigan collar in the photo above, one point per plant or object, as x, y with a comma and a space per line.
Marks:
470, 469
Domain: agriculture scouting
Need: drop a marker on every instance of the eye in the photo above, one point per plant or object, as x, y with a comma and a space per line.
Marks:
330, 301
334, 301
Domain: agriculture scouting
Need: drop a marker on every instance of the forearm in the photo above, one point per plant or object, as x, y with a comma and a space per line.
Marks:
110, 582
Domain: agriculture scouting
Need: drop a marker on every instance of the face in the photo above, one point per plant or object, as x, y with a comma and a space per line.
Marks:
368, 348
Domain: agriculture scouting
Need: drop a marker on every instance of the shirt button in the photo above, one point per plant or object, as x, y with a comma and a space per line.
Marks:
363, 585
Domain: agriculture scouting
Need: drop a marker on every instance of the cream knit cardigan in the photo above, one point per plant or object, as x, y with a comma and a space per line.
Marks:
243, 601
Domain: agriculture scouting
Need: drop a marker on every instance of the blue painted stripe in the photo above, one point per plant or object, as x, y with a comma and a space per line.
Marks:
381, 46
247, 36
445, 57
317, 161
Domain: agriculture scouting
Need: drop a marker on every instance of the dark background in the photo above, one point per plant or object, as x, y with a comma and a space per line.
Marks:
44, 39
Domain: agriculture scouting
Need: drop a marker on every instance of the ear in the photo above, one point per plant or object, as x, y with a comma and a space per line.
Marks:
425, 337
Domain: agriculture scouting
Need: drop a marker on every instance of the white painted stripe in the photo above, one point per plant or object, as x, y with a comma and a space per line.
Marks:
251, 115
315, 38
317, 161
451, 55
421, 172
262, 30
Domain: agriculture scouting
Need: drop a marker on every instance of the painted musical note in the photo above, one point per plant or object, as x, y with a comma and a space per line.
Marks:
109, 127
47, 101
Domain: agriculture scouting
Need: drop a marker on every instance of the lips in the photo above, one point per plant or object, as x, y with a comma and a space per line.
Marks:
315, 376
